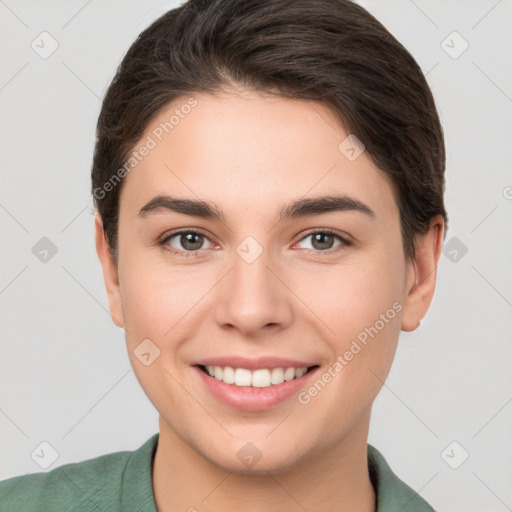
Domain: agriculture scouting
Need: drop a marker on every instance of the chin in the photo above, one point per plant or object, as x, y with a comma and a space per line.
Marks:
248, 460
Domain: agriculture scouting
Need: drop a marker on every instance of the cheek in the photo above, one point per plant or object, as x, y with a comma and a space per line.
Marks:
152, 295
354, 295
362, 310
361, 305
161, 302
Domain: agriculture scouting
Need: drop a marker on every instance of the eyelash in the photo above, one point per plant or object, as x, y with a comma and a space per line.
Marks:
345, 242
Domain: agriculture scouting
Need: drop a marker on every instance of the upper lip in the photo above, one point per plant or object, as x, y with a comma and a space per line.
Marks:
254, 363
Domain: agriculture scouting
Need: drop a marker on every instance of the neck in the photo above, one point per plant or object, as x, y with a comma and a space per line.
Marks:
336, 479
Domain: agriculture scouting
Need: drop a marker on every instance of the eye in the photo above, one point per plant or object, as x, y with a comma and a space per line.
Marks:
324, 241
185, 243
189, 242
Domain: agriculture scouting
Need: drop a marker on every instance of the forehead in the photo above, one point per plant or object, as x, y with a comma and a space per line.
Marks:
247, 150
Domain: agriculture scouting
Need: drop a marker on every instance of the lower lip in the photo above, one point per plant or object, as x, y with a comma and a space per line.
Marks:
250, 398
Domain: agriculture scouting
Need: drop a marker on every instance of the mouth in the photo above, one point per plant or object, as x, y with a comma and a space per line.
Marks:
253, 384
259, 378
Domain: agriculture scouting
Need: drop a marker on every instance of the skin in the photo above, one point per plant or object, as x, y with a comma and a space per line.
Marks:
252, 154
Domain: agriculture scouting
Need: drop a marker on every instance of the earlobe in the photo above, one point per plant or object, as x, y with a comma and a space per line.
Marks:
110, 275
422, 274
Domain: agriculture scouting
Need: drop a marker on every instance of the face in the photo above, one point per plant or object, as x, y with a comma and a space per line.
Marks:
294, 258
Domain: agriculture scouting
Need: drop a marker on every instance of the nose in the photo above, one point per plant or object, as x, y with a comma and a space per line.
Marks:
253, 298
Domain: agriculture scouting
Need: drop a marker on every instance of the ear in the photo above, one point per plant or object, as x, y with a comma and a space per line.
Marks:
109, 273
422, 274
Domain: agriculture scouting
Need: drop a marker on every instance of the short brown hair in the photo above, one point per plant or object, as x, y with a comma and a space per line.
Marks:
330, 51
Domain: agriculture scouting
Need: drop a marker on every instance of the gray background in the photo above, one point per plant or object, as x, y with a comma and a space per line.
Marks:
65, 377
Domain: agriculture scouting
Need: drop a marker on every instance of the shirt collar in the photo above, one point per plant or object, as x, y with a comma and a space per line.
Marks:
392, 494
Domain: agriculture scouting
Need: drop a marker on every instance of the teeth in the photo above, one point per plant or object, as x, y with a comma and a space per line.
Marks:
242, 377
277, 376
289, 374
262, 378
228, 375
300, 372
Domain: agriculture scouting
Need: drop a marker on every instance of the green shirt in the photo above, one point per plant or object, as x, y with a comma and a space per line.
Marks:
121, 482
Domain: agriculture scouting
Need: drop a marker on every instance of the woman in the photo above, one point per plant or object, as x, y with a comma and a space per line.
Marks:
269, 178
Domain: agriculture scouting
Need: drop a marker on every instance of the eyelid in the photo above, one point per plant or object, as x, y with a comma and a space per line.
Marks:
180, 231
343, 236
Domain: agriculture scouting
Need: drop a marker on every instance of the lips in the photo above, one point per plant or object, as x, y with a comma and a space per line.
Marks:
251, 389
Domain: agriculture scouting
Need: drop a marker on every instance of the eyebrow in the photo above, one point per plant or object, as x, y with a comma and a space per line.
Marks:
299, 208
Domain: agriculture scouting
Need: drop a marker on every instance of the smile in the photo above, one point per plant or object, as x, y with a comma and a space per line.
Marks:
253, 390
260, 378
